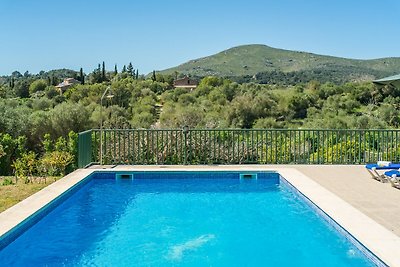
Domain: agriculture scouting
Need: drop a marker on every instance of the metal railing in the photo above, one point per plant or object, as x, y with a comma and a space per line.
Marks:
237, 146
85, 156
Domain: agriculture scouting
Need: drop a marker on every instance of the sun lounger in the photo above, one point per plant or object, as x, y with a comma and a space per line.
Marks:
381, 165
393, 177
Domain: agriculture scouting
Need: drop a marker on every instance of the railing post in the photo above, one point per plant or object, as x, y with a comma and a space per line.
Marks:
84, 148
185, 131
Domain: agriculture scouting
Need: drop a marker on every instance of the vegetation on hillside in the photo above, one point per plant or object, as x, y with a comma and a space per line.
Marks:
261, 63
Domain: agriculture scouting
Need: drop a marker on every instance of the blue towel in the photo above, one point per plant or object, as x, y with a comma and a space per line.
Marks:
389, 167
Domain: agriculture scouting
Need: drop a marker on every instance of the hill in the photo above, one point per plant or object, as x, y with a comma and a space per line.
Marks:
261, 60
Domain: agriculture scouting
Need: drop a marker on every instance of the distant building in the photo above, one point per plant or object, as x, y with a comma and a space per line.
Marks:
67, 83
185, 83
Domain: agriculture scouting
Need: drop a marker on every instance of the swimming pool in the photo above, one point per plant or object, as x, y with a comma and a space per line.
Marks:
183, 219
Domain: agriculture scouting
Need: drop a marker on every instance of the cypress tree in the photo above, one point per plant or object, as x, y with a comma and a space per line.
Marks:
154, 76
115, 69
103, 72
124, 69
137, 74
81, 77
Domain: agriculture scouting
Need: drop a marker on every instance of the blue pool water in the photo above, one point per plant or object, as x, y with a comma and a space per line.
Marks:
198, 221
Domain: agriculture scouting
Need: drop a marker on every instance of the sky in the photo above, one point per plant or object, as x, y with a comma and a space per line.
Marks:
40, 35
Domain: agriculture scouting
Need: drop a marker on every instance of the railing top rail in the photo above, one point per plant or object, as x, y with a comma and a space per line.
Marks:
87, 131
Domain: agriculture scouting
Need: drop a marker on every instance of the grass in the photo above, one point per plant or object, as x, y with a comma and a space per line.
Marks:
13, 193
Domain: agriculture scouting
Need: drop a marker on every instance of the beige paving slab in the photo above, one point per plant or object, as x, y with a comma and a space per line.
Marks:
353, 184
382, 242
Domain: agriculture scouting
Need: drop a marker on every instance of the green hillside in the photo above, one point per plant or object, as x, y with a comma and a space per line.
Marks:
249, 60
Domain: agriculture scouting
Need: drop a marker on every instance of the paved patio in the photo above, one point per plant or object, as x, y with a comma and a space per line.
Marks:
354, 184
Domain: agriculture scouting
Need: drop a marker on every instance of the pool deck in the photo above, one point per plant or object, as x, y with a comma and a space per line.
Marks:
366, 208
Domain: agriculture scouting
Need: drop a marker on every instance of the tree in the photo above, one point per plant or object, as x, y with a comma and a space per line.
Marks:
124, 69
51, 92
81, 76
137, 74
97, 75
12, 149
153, 77
22, 89
12, 82
16, 74
299, 104
130, 69
103, 72
115, 69
25, 166
38, 85
67, 117
54, 80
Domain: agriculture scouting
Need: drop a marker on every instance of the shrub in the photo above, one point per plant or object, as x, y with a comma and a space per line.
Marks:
55, 163
7, 181
25, 166
12, 149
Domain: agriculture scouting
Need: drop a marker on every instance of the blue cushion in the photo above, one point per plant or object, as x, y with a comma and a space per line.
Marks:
389, 167
392, 172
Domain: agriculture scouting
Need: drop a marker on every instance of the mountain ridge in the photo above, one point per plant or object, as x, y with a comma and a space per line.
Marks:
254, 59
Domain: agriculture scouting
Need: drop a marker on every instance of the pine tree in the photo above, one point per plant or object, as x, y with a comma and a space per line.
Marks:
130, 69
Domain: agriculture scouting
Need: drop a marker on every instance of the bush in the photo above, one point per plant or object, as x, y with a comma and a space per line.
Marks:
25, 166
7, 181
12, 148
55, 163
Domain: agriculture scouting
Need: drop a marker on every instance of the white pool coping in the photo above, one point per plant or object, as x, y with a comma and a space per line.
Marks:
379, 240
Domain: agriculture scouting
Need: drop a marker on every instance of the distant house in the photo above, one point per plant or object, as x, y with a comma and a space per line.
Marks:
185, 83
67, 83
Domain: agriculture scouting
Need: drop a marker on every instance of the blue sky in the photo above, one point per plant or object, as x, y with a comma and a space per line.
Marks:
49, 34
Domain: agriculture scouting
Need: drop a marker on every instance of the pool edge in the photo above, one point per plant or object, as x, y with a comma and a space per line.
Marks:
15, 218
373, 236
